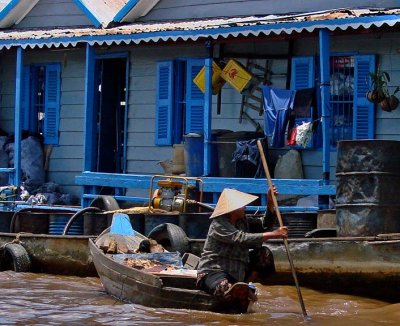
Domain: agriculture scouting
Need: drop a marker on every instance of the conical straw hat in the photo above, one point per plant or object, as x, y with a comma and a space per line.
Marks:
231, 200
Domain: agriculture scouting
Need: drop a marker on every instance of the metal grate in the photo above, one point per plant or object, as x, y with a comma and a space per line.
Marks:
341, 98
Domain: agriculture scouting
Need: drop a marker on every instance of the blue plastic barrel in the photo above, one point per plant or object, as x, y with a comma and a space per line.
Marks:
194, 154
57, 223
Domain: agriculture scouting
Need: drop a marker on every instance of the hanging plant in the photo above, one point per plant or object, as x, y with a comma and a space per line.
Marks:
379, 92
390, 102
379, 81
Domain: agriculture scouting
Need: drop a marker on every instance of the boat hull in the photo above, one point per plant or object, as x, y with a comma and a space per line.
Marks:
55, 254
131, 285
367, 267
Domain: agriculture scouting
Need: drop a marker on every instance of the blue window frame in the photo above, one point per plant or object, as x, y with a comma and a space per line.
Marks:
41, 101
352, 115
179, 102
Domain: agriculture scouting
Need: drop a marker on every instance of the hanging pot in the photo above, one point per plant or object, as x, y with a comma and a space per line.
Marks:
389, 103
375, 96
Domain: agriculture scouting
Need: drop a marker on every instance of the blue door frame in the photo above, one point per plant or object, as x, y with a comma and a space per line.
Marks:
324, 58
90, 136
18, 115
15, 173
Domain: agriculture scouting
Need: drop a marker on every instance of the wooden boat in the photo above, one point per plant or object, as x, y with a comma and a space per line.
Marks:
55, 254
367, 266
155, 287
25, 245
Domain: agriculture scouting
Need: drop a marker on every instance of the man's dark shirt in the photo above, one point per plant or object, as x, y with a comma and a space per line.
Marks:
227, 247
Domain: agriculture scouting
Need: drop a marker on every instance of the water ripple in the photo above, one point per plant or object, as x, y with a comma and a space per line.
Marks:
40, 299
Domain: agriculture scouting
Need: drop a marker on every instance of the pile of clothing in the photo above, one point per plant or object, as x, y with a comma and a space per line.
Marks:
289, 112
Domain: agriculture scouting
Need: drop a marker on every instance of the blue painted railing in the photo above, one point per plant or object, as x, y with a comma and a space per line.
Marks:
92, 182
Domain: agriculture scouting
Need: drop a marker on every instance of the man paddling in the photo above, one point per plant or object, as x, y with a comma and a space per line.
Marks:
226, 259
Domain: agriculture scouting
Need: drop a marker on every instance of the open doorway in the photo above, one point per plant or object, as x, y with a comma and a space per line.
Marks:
110, 105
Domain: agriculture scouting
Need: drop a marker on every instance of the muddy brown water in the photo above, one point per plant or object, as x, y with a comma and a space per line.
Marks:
41, 299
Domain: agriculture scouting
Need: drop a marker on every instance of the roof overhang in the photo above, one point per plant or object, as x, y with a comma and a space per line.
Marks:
134, 9
195, 30
15, 11
101, 13
89, 14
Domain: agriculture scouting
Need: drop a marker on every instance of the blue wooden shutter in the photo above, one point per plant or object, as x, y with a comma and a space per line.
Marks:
364, 113
164, 104
303, 73
194, 98
302, 77
26, 96
52, 104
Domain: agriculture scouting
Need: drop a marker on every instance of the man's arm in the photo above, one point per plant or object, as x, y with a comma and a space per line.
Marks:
282, 232
222, 230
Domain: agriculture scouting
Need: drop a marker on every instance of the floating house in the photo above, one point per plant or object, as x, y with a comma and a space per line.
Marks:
109, 87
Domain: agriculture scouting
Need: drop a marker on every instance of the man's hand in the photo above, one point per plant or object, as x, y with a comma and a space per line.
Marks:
281, 232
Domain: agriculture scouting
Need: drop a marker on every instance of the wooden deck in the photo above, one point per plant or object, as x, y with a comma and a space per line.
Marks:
92, 182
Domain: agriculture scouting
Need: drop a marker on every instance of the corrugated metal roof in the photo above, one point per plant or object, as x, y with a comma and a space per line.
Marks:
167, 10
201, 29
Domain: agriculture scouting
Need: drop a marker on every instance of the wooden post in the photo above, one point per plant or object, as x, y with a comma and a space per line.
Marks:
208, 111
90, 132
17, 116
324, 56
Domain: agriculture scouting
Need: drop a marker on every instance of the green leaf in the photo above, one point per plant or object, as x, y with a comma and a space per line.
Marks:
386, 75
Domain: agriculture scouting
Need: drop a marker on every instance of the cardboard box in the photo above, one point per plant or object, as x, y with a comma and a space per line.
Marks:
217, 81
236, 75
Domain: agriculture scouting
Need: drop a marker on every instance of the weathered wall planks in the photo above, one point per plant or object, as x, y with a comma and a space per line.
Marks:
60, 13
187, 9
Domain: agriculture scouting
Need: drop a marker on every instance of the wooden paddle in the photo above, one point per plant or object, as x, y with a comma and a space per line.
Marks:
278, 214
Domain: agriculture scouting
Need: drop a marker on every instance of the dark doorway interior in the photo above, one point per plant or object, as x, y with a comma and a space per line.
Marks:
111, 106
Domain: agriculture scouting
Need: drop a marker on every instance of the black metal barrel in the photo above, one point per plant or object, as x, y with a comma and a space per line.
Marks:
368, 187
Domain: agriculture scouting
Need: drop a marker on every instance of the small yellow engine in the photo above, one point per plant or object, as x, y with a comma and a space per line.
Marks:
174, 195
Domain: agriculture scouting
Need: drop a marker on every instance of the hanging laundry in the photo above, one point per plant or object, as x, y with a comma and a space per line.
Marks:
315, 125
277, 104
246, 158
304, 133
303, 101
291, 140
